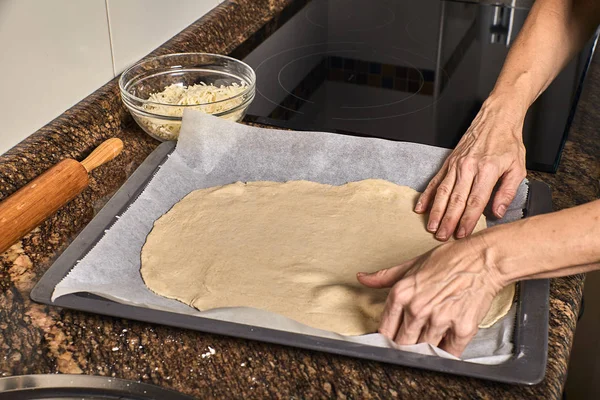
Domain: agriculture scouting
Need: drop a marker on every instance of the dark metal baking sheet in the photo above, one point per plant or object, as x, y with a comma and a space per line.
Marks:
526, 366
77, 387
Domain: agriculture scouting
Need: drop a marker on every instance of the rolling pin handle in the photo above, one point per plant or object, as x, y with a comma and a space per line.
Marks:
107, 150
33, 203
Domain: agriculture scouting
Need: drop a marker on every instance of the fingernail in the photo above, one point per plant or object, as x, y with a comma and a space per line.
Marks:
501, 210
441, 235
418, 206
461, 233
361, 274
433, 225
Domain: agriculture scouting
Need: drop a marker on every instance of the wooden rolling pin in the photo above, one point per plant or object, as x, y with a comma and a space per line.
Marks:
32, 204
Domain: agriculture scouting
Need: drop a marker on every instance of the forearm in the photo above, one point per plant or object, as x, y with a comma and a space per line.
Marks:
545, 246
553, 33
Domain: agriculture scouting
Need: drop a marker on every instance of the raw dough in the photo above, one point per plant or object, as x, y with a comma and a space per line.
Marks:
291, 248
500, 306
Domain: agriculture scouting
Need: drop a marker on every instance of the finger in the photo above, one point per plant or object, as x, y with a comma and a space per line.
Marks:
456, 341
507, 191
480, 193
394, 308
385, 278
390, 318
442, 194
456, 202
438, 324
426, 198
410, 329
432, 334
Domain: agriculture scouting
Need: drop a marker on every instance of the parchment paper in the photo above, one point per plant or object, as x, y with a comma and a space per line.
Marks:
214, 152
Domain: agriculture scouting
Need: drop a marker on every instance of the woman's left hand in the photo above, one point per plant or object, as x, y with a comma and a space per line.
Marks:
439, 297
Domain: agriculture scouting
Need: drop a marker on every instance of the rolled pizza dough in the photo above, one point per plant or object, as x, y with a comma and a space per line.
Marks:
291, 248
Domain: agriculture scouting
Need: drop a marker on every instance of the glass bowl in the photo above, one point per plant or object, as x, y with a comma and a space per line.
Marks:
163, 121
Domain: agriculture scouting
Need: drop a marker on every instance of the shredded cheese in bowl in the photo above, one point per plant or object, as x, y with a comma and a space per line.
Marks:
156, 91
209, 99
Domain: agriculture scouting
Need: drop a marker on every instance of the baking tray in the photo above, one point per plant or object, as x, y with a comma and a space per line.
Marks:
77, 387
526, 366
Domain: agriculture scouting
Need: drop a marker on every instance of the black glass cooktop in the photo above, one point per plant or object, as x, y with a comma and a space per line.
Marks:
411, 70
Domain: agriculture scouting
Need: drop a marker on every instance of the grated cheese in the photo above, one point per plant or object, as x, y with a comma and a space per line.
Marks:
202, 95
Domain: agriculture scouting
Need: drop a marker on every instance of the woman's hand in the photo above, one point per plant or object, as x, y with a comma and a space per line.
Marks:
440, 297
491, 150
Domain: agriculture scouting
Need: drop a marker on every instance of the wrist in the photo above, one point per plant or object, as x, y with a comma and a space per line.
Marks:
489, 245
508, 109
516, 91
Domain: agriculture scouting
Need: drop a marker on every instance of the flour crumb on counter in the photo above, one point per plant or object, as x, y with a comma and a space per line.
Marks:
210, 352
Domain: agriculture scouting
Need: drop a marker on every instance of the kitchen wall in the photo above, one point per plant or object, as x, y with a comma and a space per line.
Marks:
56, 52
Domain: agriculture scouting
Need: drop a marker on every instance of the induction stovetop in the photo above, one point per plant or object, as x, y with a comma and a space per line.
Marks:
409, 70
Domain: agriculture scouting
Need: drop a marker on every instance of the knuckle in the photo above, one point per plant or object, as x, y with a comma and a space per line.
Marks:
396, 296
392, 297
432, 183
485, 160
508, 192
439, 322
381, 273
475, 201
443, 190
429, 189
457, 199
487, 167
417, 311
466, 331
412, 310
467, 163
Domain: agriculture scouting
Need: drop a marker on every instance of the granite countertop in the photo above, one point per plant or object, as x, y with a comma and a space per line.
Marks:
37, 339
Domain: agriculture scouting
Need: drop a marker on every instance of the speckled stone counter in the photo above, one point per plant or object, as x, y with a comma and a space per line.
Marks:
40, 339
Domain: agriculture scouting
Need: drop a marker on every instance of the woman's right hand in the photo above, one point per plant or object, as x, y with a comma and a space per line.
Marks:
491, 150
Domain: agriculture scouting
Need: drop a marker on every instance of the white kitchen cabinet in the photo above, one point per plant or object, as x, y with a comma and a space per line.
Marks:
54, 53
57, 52
139, 26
